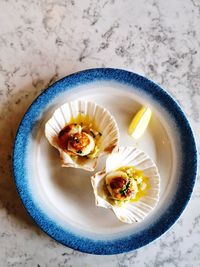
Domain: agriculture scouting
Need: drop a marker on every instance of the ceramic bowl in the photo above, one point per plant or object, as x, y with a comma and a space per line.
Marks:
62, 202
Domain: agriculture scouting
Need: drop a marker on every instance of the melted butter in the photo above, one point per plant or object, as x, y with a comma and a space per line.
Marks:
85, 119
142, 193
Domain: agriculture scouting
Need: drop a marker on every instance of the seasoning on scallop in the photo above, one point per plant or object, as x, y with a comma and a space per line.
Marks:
125, 184
129, 184
78, 141
82, 132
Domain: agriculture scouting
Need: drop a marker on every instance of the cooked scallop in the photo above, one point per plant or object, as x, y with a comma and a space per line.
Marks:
82, 132
129, 185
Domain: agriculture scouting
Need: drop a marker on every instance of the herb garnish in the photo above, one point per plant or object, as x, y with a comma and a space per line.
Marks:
79, 151
125, 188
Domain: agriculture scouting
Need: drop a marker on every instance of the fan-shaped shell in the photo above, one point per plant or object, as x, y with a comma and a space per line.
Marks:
98, 116
132, 211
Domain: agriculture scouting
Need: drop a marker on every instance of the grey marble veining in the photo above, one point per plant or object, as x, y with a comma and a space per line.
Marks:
42, 41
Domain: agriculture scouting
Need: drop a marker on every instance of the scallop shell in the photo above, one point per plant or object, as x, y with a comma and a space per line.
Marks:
97, 115
133, 211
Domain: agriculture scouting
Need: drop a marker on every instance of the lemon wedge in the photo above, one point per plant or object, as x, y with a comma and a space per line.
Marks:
140, 122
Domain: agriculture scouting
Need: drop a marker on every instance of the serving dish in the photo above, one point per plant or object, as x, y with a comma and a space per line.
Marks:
61, 201
79, 118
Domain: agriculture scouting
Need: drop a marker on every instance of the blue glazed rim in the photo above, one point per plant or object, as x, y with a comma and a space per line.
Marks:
186, 181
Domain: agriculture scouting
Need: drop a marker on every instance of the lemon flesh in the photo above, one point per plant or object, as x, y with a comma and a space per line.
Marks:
140, 122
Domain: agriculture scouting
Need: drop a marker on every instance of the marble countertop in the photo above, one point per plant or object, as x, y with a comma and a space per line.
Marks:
42, 41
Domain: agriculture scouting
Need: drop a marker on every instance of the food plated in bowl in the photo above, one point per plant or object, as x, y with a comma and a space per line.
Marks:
61, 200
129, 185
82, 132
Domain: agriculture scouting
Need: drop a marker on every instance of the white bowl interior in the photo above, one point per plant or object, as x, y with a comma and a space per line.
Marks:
66, 195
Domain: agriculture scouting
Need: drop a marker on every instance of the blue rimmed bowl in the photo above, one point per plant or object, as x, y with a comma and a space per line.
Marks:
61, 200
